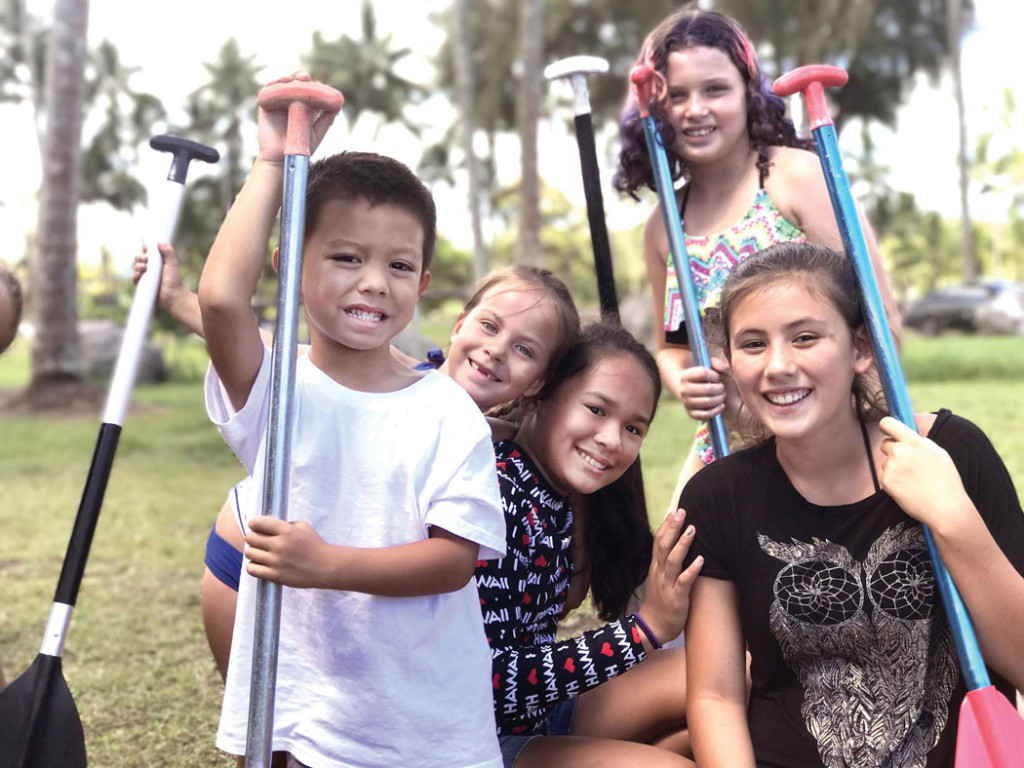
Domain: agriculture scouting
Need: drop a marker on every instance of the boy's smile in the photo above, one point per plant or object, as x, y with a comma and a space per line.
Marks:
362, 274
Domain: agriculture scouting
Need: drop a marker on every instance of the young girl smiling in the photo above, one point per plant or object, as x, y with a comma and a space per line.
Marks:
576, 519
815, 554
749, 183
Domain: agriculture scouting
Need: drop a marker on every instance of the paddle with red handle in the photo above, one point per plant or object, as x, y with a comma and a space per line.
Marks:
991, 733
39, 723
304, 101
640, 77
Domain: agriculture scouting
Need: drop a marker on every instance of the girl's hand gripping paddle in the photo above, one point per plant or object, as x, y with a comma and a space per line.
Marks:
991, 733
640, 77
303, 101
39, 723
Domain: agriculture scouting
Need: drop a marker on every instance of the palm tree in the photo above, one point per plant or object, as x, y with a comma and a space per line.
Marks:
969, 261
364, 70
531, 47
462, 51
55, 347
111, 158
218, 110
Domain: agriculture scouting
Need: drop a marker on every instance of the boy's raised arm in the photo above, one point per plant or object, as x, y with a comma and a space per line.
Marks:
236, 259
230, 277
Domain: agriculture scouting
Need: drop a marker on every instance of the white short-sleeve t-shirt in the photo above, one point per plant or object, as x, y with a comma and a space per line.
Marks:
363, 679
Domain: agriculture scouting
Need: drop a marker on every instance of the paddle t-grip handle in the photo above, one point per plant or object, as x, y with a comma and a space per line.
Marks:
303, 100
640, 76
812, 80
576, 69
184, 151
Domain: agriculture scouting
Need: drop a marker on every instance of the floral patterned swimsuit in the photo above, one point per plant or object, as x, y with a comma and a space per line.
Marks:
712, 258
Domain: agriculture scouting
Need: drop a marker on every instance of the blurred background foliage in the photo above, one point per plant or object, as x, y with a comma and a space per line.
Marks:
886, 45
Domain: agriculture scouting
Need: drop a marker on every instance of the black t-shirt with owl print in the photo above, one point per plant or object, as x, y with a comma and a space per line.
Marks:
523, 595
853, 662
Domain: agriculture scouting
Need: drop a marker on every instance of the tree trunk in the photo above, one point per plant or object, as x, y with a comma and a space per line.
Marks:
55, 346
969, 266
465, 85
531, 47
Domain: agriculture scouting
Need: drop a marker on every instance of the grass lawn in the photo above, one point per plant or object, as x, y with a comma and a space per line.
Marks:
136, 657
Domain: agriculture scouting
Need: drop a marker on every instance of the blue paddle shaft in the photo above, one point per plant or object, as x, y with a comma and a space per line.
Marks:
893, 384
681, 264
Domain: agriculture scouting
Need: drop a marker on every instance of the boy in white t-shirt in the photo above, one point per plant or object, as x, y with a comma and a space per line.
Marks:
393, 495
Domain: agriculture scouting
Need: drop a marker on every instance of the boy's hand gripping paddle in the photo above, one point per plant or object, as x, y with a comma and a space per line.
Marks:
991, 733
640, 77
39, 723
576, 69
303, 100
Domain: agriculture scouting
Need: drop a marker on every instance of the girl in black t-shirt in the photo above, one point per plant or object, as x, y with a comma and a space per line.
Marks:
815, 558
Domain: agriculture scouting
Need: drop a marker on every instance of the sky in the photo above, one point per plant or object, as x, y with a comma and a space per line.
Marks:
170, 48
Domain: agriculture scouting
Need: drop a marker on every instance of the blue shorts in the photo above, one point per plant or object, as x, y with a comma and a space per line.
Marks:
223, 560
557, 723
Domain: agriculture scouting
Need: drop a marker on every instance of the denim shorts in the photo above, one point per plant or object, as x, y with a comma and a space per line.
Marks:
557, 723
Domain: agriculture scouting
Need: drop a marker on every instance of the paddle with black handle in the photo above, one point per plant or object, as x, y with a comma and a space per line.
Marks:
39, 723
991, 733
576, 69
640, 77
304, 101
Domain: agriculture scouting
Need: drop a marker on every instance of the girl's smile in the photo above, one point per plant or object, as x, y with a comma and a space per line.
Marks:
794, 359
501, 348
708, 103
590, 432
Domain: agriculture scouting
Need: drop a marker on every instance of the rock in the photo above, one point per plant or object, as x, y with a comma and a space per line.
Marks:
100, 344
635, 315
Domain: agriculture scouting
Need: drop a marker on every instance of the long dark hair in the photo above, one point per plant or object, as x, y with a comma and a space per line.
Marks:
618, 535
767, 124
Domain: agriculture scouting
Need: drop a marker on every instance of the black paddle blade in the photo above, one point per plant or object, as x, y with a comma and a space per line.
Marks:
39, 723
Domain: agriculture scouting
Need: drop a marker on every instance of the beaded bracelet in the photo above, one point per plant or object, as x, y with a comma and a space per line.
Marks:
647, 631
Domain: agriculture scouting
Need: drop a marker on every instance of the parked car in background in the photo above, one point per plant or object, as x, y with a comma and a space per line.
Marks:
996, 307
1003, 313
948, 309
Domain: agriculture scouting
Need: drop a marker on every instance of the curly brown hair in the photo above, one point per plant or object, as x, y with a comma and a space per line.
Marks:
767, 124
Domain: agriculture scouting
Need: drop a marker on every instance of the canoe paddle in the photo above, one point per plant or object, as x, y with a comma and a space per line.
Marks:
304, 101
39, 722
991, 733
576, 69
640, 77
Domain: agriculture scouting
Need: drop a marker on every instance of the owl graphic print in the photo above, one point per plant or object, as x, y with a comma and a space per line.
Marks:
852, 661
876, 668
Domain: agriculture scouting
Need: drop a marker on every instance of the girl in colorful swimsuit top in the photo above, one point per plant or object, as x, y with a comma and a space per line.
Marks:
747, 182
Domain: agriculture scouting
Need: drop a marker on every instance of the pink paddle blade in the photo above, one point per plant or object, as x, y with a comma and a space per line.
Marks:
991, 732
